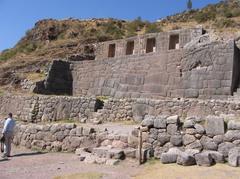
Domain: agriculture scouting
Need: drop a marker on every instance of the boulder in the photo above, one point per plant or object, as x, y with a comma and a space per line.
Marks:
148, 121
204, 159
116, 154
176, 140
214, 125
188, 124
112, 162
234, 157
232, 135
192, 152
172, 129
160, 122
185, 159
218, 139
195, 145
170, 156
225, 147
208, 143
173, 119
199, 128
233, 125
163, 138
188, 139
130, 152
216, 156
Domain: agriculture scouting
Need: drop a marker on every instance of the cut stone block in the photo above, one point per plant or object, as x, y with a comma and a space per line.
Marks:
214, 125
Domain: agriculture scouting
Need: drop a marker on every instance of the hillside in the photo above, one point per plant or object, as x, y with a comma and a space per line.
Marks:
50, 39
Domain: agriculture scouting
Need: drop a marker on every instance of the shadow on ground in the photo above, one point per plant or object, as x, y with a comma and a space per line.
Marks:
29, 154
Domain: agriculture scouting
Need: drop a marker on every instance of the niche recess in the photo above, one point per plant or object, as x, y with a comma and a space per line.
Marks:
174, 42
151, 45
130, 48
111, 50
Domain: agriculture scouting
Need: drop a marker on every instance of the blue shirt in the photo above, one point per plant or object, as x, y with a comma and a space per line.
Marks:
8, 125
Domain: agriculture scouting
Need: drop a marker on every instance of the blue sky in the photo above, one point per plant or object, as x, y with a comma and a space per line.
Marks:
17, 16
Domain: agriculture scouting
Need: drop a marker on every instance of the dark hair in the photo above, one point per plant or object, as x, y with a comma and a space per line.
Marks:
10, 114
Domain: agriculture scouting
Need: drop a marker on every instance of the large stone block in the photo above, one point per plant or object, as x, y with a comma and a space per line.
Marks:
225, 147
233, 125
160, 122
170, 156
185, 159
214, 125
234, 157
172, 129
204, 159
232, 135
148, 121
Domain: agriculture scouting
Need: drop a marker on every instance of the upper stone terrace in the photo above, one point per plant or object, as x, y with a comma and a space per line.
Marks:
147, 44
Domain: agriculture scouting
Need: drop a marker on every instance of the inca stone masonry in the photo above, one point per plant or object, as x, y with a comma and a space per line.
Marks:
177, 64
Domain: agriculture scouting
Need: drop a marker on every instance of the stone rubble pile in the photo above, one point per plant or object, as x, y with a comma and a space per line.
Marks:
194, 141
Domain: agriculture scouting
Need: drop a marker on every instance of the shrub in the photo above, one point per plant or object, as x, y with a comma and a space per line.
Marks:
224, 23
7, 54
152, 28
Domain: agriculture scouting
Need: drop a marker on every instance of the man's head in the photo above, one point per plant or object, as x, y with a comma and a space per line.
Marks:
10, 115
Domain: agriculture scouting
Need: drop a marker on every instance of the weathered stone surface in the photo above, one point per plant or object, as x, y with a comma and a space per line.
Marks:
176, 140
214, 125
170, 156
195, 145
218, 139
234, 157
233, 125
173, 119
199, 129
224, 148
216, 156
163, 138
160, 122
112, 162
172, 129
192, 152
232, 135
204, 159
185, 159
188, 139
208, 143
130, 152
148, 121
188, 124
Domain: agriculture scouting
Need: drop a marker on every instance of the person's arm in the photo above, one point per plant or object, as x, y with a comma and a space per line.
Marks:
5, 126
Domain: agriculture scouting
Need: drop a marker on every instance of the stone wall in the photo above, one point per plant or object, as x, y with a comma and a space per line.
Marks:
140, 43
137, 109
195, 140
59, 80
202, 72
47, 108
53, 108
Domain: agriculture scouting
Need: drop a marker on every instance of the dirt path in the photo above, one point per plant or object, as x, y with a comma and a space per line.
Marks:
26, 164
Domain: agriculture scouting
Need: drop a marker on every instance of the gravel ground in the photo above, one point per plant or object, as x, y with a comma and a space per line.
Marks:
26, 164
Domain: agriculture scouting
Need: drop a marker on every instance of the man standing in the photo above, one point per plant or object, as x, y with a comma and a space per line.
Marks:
8, 130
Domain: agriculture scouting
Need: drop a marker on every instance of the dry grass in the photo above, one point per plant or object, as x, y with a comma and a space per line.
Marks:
35, 76
156, 170
81, 176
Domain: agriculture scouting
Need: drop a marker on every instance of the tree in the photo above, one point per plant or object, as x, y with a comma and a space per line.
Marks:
189, 5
